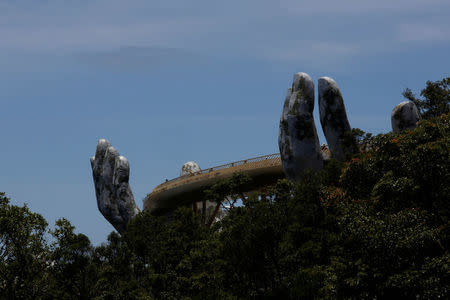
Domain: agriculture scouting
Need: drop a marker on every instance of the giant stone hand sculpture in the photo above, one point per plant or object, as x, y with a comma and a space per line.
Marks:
298, 140
111, 173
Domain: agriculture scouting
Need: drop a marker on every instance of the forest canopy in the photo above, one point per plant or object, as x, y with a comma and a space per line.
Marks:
376, 226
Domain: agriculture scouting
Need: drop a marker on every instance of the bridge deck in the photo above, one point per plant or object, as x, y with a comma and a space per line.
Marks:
263, 170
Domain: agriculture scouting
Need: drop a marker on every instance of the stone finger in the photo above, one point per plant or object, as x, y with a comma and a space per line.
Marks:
302, 95
126, 205
92, 160
404, 116
121, 170
109, 165
100, 153
298, 140
333, 118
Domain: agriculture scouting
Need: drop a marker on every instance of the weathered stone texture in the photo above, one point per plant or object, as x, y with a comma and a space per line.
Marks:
111, 173
189, 168
297, 140
333, 117
404, 116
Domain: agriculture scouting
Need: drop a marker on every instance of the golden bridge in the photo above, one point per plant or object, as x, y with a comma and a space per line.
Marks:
263, 170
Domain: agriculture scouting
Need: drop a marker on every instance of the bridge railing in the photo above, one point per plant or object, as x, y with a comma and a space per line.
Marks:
229, 165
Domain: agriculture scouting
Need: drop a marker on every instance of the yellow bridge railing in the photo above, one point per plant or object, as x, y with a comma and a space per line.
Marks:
229, 165
189, 187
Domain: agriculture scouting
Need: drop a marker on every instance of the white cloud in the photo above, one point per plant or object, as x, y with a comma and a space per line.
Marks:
100, 36
316, 32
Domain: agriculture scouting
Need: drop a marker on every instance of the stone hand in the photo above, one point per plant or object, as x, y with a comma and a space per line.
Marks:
404, 116
111, 173
333, 117
298, 140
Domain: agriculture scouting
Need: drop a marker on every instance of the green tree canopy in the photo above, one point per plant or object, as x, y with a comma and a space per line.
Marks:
374, 227
24, 256
435, 98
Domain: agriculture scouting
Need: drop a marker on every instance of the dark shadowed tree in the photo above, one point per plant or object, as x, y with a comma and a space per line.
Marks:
24, 254
72, 272
435, 98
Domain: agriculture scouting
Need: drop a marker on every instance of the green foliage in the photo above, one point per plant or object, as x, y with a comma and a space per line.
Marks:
404, 170
23, 252
71, 268
171, 259
231, 188
374, 227
435, 98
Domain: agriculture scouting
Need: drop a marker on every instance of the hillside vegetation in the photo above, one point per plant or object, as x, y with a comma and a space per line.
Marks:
374, 227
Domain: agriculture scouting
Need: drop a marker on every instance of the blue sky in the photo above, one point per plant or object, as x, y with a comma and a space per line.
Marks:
171, 81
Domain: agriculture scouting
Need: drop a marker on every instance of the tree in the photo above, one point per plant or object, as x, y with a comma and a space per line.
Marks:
72, 272
409, 169
114, 264
23, 252
374, 227
394, 217
435, 98
165, 258
226, 193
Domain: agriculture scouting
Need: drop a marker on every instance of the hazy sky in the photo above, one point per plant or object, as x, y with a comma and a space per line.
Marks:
171, 81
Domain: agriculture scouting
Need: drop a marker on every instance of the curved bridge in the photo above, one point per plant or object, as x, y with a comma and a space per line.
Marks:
263, 170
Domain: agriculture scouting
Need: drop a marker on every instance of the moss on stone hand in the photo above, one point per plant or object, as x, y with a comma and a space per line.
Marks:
286, 149
304, 127
294, 108
333, 118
